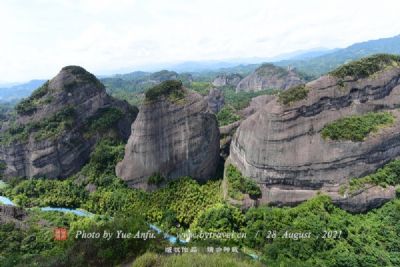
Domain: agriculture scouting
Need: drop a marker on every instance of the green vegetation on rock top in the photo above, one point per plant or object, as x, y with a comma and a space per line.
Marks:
104, 119
172, 89
366, 66
46, 128
29, 105
239, 185
357, 128
81, 73
293, 94
387, 175
270, 69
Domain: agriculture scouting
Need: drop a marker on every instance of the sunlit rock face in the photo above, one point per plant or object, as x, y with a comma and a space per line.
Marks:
77, 98
171, 138
281, 147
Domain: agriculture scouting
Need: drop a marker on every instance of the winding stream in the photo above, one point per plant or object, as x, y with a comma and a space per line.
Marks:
83, 213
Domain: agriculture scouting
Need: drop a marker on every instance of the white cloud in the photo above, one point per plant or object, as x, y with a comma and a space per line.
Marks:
38, 37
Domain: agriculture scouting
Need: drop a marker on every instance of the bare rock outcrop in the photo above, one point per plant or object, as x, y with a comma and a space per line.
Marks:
215, 100
57, 127
12, 214
281, 147
171, 136
268, 76
227, 79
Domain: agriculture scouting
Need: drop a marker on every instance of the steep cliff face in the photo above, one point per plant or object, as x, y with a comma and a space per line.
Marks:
269, 76
227, 79
174, 135
57, 126
215, 100
281, 146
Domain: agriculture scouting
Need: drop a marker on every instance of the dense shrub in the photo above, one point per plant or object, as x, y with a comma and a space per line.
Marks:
293, 94
356, 128
172, 89
387, 175
201, 87
219, 218
49, 127
238, 184
104, 119
156, 179
104, 158
227, 115
29, 105
267, 69
366, 66
194, 259
42, 192
360, 240
241, 100
82, 76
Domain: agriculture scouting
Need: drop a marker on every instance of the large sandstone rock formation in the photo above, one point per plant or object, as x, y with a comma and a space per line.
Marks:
281, 147
269, 76
171, 137
227, 79
58, 125
215, 100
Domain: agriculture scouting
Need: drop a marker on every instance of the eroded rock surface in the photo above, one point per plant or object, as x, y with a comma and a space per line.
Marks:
269, 76
227, 79
281, 146
171, 138
68, 106
12, 214
215, 100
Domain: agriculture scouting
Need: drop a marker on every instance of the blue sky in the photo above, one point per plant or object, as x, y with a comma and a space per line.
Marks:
38, 37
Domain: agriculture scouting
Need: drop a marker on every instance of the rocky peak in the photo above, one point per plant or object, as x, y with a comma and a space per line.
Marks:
174, 135
227, 79
57, 127
163, 75
269, 76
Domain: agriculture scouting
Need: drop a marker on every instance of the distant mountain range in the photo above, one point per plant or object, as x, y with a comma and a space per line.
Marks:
318, 65
18, 91
312, 63
213, 65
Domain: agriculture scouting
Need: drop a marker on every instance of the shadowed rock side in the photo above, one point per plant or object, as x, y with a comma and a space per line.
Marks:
281, 147
227, 79
12, 214
215, 99
173, 139
269, 76
58, 127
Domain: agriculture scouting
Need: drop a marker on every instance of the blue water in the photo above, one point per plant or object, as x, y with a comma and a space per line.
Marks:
6, 201
172, 239
82, 213
254, 256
